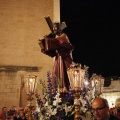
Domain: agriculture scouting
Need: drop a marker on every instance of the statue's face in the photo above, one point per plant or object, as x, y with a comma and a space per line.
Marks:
56, 28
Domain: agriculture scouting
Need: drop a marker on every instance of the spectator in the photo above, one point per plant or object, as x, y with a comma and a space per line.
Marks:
21, 115
118, 112
100, 109
11, 115
13, 108
3, 113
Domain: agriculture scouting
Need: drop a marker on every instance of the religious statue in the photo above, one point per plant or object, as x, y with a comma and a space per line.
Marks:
57, 45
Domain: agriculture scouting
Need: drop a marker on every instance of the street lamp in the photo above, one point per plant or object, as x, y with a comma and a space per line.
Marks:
30, 88
97, 82
76, 76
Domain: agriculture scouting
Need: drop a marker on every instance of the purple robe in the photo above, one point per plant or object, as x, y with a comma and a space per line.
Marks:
61, 50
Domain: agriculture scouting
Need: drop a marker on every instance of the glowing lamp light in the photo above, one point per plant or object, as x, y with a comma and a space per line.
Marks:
76, 76
30, 88
30, 84
97, 81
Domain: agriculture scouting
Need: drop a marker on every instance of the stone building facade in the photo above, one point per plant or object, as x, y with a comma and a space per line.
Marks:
112, 93
22, 23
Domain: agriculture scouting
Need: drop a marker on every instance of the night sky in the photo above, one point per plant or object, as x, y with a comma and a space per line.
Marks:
93, 28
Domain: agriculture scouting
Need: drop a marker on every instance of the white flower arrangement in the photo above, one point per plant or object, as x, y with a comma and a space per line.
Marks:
55, 107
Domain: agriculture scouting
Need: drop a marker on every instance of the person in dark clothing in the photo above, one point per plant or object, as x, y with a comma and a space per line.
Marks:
3, 113
22, 115
100, 109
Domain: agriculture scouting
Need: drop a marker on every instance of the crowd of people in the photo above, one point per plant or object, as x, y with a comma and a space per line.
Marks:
115, 111
15, 113
100, 109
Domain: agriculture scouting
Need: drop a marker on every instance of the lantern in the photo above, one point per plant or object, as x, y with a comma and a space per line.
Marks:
97, 81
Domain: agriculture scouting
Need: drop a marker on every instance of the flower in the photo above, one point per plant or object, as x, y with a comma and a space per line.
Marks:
60, 106
57, 99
